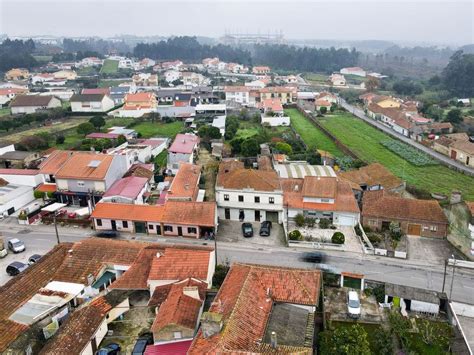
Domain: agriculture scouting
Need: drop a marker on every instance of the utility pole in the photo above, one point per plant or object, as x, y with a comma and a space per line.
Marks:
56, 227
444, 276
452, 279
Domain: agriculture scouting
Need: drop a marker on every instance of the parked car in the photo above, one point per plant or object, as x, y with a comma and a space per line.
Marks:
108, 234
247, 230
3, 249
34, 258
265, 228
313, 257
353, 304
16, 245
15, 268
110, 349
141, 344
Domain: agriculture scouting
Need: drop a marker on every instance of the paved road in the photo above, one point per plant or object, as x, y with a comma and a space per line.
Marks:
40, 239
440, 157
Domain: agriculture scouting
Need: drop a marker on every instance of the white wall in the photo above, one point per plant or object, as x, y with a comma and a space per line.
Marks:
276, 121
18, 199
7, 148
27, 180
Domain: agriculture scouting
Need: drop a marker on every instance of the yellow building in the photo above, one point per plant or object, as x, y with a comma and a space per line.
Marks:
17, 74
386, 102
65, 74
287, 95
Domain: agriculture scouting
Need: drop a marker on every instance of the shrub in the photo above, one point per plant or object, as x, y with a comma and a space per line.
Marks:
338, 238
219, 275
324, 223
358, 231
38, 194
367, 229
299, 220
374, 238
60, 139
295, 235
310, 222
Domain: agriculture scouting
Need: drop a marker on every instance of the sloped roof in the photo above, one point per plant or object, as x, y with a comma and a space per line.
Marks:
382, 204
245, 301
129, 187
184, 143
55, 161
31, 100
231, 176
78, 167
87, 98
319, 187
186, 182
372, 174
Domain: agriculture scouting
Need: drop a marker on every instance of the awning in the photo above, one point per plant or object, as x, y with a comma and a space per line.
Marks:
46, 188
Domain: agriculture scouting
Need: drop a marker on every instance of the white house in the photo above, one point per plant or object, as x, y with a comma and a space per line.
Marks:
26, 177
13, 197
337, 80
273, 113
239, 94
247, 194
32, 103
354, 71
91, 103
182, 151
129, 189
172, 75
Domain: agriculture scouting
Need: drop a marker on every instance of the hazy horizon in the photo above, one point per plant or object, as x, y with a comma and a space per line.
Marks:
431, 22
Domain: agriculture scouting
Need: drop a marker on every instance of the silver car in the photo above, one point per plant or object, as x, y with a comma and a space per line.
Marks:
16, 245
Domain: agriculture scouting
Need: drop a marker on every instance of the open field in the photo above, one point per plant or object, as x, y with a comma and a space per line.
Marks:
150, 129
365, 141
109, 66
311, 135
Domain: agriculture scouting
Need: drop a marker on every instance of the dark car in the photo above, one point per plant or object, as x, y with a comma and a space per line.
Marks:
247, 230
15, 268
265, 228
110, 349
141, 344
313, 257
107, 234
34, 258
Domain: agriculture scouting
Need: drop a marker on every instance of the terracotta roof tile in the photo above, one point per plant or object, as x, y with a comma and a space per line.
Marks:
77, 167
372, 174
245, 306
231, 176
55, 161
385, 205
185, 185
319, 187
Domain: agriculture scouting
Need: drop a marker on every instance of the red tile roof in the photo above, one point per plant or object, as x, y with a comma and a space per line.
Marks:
19, 172
78, 167
184, 143
55, 161
233, 176
245, 305
185, 185
381, 204
99, 135
93, 91
128, 187
372, 174
175, 348
180, 264
46, 188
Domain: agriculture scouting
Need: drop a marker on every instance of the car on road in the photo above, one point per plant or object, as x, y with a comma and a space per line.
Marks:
141, 344
313, 257
15, 268
108, 234
16, 245
110, 349
34, 258
247, 230
353, 304
265, 228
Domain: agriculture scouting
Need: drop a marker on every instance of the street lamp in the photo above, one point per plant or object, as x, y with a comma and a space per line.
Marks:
54, 208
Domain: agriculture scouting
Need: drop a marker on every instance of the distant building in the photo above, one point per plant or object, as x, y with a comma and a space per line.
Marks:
17, 74
354, 71
33, 103
91, 103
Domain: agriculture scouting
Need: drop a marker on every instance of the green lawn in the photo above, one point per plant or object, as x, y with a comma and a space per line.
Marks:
118, 122
365, 140
160, 159
4, 111
311, 135
150, 129
109, 66
105, 83
316, 77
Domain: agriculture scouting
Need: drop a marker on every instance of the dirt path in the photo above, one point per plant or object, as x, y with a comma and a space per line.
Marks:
209, 171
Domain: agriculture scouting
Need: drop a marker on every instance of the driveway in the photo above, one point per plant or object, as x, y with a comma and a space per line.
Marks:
231, 232
430, 250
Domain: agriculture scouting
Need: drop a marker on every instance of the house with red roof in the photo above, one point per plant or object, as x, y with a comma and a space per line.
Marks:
182, 150
131, 189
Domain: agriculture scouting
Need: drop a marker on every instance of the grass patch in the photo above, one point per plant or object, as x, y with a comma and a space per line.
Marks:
4, 111
109, 66
365, 141
160, 159
110, 82
322, 78
150, 129
43, 58
118, 122
311, 135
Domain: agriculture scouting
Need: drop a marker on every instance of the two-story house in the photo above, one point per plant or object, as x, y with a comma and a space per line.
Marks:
238, 94
248, 194
182, 151
85, 177
287, 95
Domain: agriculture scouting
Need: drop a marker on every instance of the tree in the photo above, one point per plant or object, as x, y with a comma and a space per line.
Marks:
323, 110
121, 140
333, 107
97, 122
371, 84
5, 125
60, 139
299, 220
345, 341
32, 143
284, 148
209, 132
458, 75
407, 87
338, 238
85, 128
250, 147
231, 127
454, 116
383, 342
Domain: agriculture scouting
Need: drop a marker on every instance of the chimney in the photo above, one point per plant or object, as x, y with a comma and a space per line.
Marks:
191, 291
211, 323
297, 188
273, 340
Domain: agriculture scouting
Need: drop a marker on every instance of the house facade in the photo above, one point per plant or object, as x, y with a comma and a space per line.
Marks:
239, 94
33, 103
91, 103
182, 150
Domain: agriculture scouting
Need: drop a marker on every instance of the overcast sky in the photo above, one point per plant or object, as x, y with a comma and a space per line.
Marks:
442, 21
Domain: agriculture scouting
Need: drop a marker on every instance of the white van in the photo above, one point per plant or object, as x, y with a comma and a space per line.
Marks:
353, 304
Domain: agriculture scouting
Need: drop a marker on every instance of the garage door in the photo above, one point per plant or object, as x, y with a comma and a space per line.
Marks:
345, 220
272, 216
414, 229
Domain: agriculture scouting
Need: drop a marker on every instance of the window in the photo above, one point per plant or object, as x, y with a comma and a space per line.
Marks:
150, 226
226, 197
433, 228
324, 200
177, 335
168, 228
271, 200
372, 222
257, 199
81, 183
98, 222
124, 224
241, 198
192, 230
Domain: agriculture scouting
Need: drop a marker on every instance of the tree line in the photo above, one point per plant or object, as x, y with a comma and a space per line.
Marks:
17, 54
277, 56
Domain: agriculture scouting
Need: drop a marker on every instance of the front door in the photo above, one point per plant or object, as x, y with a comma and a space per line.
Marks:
257, 216
453, 154
158, 230
114, 225
180, 231
227, 213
